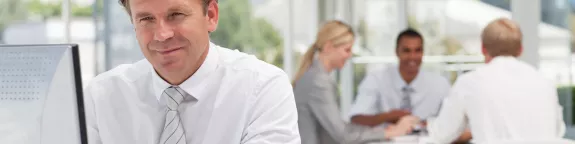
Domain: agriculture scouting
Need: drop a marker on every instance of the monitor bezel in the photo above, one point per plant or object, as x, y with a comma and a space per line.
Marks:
77, 83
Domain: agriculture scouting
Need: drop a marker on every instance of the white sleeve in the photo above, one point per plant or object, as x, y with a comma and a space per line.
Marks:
274, 118
451, 121
367, 99
90, 113
444, 90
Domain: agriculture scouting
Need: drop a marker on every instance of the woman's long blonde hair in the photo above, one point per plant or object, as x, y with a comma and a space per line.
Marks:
333, 31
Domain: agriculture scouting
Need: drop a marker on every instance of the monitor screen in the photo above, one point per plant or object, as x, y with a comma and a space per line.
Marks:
41, 95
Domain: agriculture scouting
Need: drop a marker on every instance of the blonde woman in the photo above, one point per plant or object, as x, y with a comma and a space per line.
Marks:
315, 92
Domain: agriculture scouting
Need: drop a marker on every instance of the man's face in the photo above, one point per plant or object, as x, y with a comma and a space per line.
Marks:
173, 34
410, 53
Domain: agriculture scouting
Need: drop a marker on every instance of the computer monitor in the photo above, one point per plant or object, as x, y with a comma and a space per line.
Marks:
41, 95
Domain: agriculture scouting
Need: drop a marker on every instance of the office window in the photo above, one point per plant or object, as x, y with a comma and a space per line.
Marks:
376, 23
555, 50
118, 37
452, 30
40, 22
243, 26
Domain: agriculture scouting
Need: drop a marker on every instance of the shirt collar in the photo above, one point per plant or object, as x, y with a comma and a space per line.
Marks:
192, 85
399, 82
503, 59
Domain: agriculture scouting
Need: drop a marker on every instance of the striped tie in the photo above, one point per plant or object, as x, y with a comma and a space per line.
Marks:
173, 132
406, 99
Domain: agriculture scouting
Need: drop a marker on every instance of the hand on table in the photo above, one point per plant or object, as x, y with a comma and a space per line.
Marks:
408, 121
403, 127
392, 131
396, 115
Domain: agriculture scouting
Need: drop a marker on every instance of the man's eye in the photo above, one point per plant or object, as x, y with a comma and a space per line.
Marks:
176, 14
146, 19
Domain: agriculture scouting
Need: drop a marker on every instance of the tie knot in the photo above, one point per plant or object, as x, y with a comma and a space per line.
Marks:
407, 89
173, 97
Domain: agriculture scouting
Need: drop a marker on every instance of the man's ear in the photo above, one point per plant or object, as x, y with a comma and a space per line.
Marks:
485, 53
520, 51
212, 16
483, 50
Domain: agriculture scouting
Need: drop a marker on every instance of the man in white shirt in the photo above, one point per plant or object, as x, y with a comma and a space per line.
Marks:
506, 99
188, 90
386, 95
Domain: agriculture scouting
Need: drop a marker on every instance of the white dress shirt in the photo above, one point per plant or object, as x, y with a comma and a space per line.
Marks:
233, 98
380, 92
504, 100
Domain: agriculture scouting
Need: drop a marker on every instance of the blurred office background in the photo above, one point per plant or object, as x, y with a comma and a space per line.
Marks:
279, 32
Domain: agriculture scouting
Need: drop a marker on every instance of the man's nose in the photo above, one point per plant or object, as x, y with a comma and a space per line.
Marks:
413, 54
163, 31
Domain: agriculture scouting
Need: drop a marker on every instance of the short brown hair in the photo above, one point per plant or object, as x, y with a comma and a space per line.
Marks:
502, 37
126, 4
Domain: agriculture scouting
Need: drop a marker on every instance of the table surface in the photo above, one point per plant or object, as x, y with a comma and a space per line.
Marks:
409, 139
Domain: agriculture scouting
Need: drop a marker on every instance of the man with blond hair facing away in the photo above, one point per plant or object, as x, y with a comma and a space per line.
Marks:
505, 100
